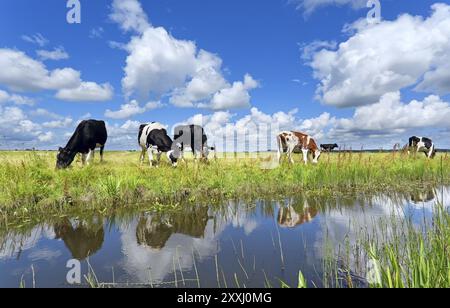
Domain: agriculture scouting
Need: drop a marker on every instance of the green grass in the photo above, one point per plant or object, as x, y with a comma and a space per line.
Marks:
394, 254
414, 258
30, 187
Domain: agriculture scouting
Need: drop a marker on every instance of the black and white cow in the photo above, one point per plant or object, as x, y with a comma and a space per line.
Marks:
422, 144
154, 138
88, 136
194, 137
328, 147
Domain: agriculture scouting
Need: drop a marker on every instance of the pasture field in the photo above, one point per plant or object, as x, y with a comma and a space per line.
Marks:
31, 187
34, 194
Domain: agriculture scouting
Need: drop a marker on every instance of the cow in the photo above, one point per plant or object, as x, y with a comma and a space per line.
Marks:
88, 136
153, 138
155, 229
82, 238
288, 217
289, 141
328, 147
194, 137
422, 144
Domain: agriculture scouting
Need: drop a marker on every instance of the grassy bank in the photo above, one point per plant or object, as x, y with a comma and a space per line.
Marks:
401, 255
413, 258
30, 186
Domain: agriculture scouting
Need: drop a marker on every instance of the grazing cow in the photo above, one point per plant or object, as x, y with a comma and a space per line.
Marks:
289, 141
194, 137
88, 136
329, 147
154, 138
422, 144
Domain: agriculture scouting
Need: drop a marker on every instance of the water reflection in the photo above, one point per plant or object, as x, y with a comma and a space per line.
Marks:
296, 213
154, 230
158, 247
82, 238
424, 196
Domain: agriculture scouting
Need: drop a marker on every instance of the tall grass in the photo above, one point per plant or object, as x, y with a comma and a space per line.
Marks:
414, 258
30, 185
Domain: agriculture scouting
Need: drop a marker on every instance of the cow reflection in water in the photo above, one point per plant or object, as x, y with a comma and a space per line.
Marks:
293, 215
423, 196
155, 230
82, 238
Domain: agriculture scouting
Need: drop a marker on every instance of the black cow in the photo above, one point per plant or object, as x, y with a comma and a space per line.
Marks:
153, 137
88, 136
328, 147
422, 144
82, 238
194, 137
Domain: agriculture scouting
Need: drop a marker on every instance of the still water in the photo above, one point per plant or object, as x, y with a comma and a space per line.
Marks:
237, 243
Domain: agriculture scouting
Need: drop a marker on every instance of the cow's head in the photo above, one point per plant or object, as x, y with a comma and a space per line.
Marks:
433, 154
175, 154
316, 156
64, 158
206, 151
336, 146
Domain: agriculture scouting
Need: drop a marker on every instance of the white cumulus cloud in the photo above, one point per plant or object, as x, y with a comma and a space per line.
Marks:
159, 64
386, 57
391, 116
19, 72
6, 97
131, 109
87, 92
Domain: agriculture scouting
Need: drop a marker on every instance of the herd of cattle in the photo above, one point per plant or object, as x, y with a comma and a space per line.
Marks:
154, 140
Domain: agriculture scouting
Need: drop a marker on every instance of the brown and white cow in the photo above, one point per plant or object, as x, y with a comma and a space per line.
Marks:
289, 141
288, 217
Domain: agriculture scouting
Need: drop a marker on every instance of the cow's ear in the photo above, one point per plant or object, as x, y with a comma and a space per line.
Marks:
60, 149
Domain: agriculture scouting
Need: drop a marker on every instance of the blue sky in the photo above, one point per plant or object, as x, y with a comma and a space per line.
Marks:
234, 62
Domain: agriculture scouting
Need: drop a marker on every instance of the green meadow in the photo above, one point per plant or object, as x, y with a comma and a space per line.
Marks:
30, 186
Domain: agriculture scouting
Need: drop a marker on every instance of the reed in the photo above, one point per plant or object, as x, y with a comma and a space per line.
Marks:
414, 257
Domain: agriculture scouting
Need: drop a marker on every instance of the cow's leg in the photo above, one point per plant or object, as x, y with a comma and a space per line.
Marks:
150, 156
102, 151
195, 153
158, 158
83, 159
143, 152
291, 150
305, 155
142, 158
90, 157
182, 158
280, 149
